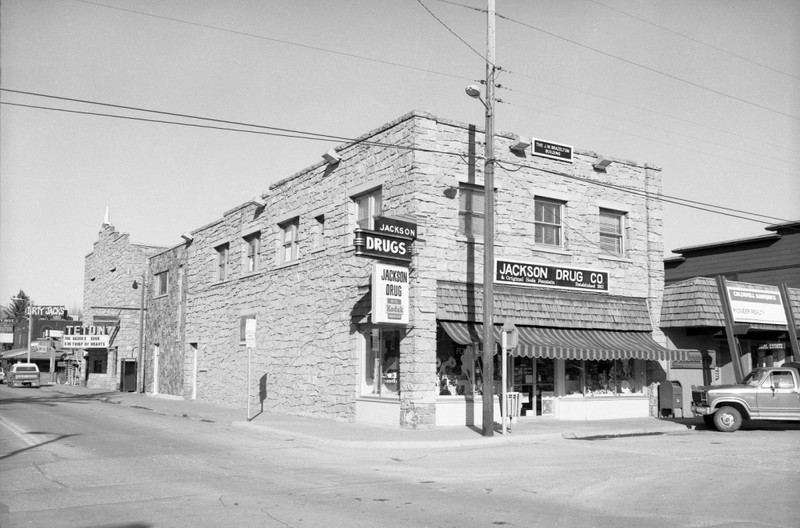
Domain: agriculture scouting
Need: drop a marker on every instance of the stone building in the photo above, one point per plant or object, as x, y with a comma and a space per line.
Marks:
276, 304
112, 295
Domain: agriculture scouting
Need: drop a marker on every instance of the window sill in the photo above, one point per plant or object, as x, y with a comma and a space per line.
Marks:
316, 250
159, 296
615, 258
468, 240
552, 249
220, 282
375, 398
251, 274
287, 264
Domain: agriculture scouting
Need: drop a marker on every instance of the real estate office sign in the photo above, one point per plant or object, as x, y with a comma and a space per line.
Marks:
756, 303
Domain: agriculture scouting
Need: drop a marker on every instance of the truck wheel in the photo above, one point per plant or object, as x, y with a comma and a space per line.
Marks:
727, 419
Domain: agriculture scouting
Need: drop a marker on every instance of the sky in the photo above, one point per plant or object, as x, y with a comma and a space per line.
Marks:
707, 90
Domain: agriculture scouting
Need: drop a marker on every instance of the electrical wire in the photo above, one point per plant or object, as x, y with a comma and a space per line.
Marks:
698, 41
297, 134
659, 142
648, 68
693, 204
279, 41
456, 35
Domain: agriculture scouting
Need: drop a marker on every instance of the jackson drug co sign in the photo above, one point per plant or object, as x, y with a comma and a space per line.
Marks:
550, 276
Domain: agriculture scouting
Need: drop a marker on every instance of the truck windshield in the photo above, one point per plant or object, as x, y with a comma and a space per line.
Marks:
754, 378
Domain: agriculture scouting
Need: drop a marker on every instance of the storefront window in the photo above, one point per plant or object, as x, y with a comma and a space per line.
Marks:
599, 378
381, 365
456, 369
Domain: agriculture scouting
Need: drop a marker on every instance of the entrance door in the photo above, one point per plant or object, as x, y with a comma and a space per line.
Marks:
128, 376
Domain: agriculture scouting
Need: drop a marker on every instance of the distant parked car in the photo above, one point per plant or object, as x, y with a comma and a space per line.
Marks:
22, 374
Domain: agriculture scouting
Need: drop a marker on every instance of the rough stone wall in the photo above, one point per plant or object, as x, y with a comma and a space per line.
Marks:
109, 272
165, 320
306, 360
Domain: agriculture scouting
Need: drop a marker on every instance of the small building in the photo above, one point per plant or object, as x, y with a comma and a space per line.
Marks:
763, 274
113, 297
770, 258
352, 290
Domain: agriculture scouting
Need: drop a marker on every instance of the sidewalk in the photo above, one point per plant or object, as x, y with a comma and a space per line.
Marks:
323, 432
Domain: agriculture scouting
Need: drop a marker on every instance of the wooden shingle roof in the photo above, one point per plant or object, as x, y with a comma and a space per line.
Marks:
456, 301
695, 302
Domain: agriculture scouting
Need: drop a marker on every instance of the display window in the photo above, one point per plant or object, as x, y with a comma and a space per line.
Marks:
613, 377
380, 372
457, 370
460, 370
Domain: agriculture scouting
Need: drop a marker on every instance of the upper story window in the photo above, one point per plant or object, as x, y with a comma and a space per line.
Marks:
222, 261
471, 208
548, 219
288, 251
612, 229
161, 283
252, 248
368, 206
318, 232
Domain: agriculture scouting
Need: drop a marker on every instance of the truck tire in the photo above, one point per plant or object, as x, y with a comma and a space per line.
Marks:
727, 419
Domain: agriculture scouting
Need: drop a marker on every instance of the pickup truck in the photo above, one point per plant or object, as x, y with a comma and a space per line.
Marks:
21, 374
771, 393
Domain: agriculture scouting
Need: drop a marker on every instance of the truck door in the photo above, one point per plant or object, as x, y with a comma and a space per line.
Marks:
778, 395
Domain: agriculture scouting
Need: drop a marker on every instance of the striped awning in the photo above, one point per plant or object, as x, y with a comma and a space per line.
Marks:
570, 343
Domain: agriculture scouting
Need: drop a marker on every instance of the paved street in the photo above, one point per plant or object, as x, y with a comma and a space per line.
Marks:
82, 459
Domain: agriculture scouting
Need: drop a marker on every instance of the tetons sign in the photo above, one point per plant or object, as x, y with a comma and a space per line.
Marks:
529, 274
391, 239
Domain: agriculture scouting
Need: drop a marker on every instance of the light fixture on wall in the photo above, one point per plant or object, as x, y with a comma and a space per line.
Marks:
187, 236
601, 165
259, 201
519, 146
332, 157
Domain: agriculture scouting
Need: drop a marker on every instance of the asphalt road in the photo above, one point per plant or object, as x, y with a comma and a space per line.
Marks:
70, 461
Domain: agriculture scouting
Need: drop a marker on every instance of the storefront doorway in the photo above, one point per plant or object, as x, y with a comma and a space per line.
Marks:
534, 379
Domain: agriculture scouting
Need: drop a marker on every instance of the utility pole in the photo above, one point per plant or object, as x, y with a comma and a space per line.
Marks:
488, 233
140, 381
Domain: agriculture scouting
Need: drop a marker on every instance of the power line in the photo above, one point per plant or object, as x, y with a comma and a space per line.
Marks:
650, 69
702, 206
279, 41
291, 134
172, 114
380, 61
626, 103
296, 134
617, 117
627, 133
456, 35
698, 41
